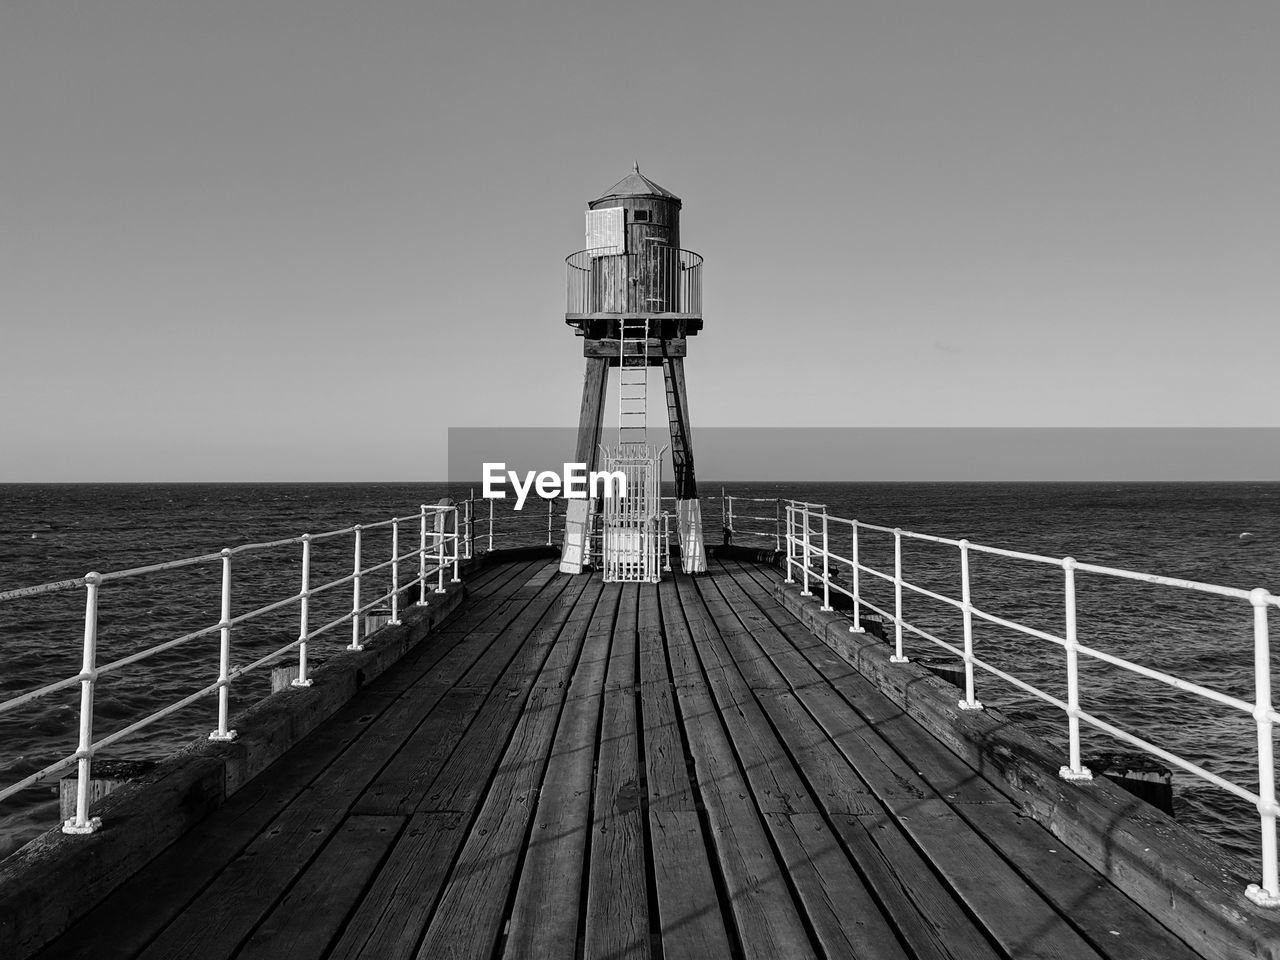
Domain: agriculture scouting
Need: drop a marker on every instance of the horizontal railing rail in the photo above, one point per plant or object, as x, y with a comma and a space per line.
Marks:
752, 520
813, 561
657, 279
437, 552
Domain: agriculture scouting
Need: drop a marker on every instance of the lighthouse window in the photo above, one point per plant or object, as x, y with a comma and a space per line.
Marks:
641, 215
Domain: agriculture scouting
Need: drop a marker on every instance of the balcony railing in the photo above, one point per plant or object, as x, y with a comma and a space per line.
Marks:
658, 279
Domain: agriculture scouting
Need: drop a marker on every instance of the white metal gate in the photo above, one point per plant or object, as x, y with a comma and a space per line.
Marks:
632, 531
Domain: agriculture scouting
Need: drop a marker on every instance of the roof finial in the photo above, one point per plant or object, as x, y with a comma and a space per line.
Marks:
636, 166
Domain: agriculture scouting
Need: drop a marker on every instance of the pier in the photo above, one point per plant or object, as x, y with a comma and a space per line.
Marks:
679, 768
573, 768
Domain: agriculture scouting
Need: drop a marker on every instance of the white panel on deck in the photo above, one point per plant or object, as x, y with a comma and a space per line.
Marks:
606, 232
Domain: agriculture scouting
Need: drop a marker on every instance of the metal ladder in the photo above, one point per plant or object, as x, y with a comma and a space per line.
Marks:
633, 381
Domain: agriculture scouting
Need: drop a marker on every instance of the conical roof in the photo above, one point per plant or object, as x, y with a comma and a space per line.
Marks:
636, 184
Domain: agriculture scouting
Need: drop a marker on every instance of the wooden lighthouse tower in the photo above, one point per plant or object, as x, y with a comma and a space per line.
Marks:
635, 297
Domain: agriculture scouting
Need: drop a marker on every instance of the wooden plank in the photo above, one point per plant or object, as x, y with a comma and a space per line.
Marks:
544, 918
389, 921
459, 787
666, 770
469, 918
766, 923
172, 882
393, 918
403, 785
302, 925
617, 912
1112, 922
821, 873
470, 619
243, 892
610, 350
232, 904
689, 911
983, 880
764, 758
924, 911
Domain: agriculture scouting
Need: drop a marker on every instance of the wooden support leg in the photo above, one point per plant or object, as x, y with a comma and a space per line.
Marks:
577, 516
688, 510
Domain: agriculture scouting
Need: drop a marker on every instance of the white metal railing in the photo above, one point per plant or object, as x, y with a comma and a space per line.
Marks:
483, 518
810, 556
739, 522
437, 552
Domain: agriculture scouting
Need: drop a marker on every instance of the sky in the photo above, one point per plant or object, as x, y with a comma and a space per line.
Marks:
299, 240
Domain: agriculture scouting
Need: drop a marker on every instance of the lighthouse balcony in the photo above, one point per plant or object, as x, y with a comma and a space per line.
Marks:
661, 283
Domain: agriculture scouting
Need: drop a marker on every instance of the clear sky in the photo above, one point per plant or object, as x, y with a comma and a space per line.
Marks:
298, 239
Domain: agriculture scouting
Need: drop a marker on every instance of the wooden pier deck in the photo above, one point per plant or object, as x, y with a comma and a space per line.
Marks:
574, 769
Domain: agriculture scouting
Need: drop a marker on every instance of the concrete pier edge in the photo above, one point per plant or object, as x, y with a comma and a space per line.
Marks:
1191, 885
55, 879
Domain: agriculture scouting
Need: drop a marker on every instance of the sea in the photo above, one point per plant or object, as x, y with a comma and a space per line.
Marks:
1221, 533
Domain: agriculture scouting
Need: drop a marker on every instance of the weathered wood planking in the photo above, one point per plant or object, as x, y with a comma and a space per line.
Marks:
305, 922
403, 784
984, 882
1102, 914
926, 913
469, 918
238, 897
618, 770
544, 918
845, 916
392, 918
765, 918
617, 903
173, 880
689, 912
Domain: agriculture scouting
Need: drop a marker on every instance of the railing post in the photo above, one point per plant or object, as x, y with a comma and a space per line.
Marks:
81, 822
440, 553
857, 593
790, 541
491, 525
395, 572
422, 557
224, 655
304, 598
968, 703
355, 597
805, 592
777, 524
550, 506
470, 521
1266, 894
826, 573
456, 549
1074, 770
666, 539
898, 656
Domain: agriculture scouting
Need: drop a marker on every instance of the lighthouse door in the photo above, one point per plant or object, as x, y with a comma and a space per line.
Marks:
650, 254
